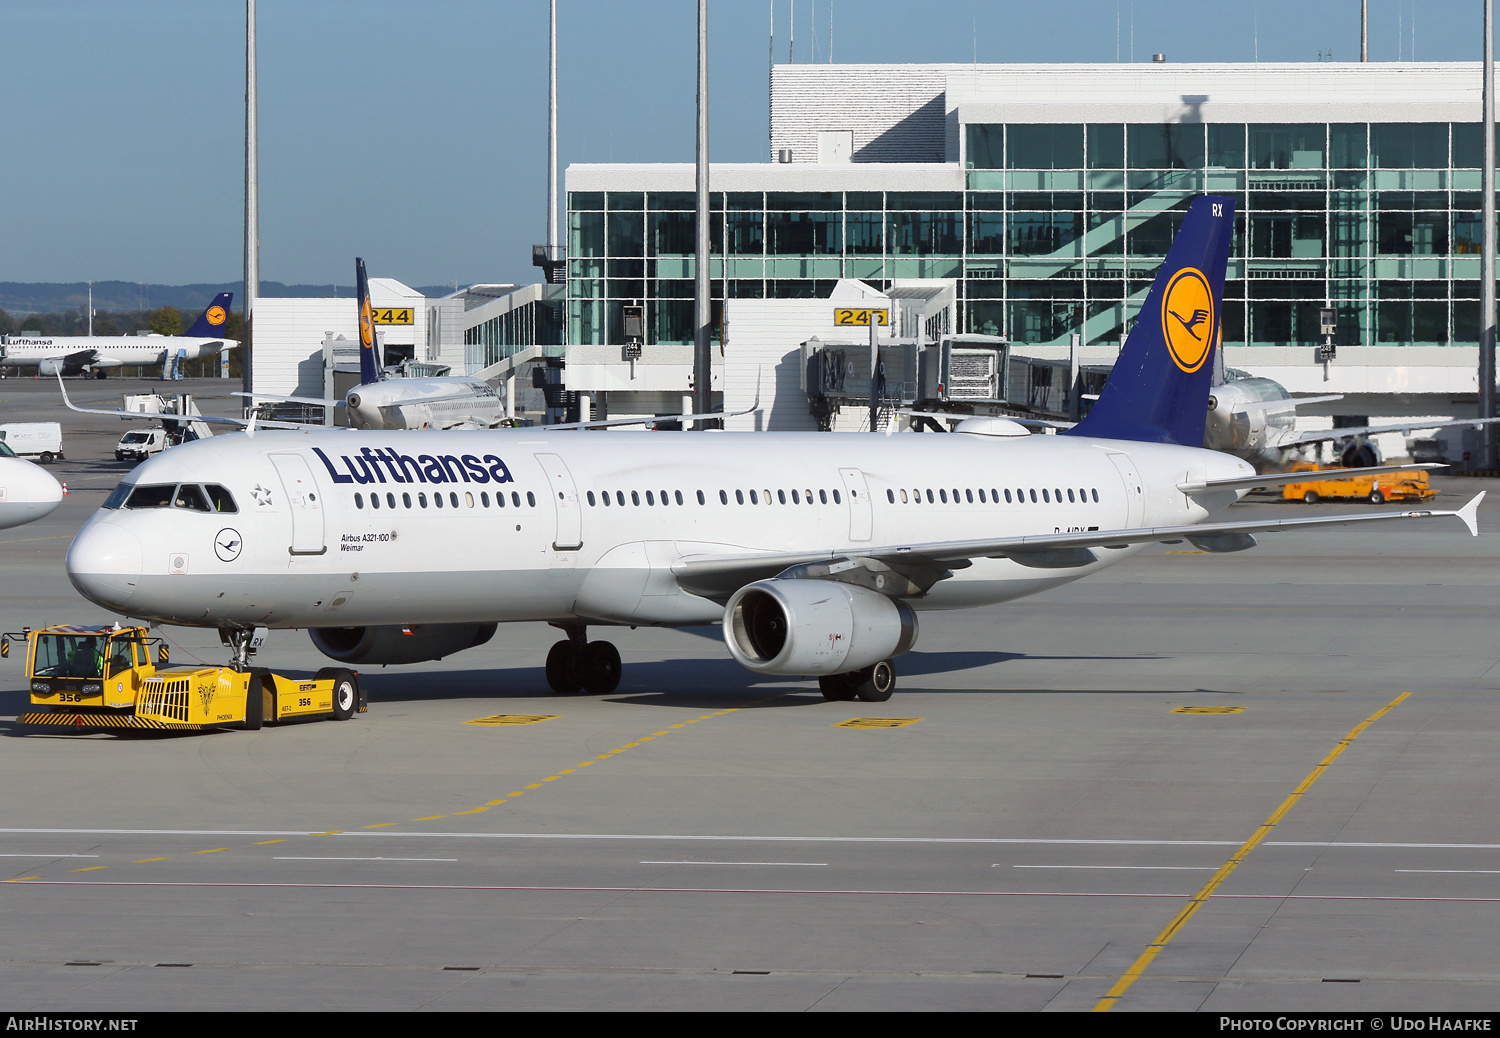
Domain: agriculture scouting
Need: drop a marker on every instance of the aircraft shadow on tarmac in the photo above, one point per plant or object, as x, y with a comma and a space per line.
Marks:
688, 683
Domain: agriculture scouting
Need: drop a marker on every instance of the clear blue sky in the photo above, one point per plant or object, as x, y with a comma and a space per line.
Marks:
414, 134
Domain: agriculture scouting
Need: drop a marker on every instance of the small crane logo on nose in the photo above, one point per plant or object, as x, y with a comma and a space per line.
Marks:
227, 544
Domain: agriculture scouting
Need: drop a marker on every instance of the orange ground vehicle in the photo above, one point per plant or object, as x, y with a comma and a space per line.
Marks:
1389, 486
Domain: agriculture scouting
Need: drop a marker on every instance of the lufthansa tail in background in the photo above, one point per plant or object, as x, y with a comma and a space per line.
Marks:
816, 552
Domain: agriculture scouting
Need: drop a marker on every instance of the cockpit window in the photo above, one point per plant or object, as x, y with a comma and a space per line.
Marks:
190, 496
117, 496
220, 498
151, 497
6, 452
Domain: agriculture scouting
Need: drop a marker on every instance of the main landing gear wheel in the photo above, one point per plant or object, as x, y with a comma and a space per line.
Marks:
601, 668
562, 669
870, 685
837, 688
875, 684
576, 663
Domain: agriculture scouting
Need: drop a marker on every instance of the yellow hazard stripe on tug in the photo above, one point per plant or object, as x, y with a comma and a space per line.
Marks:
60, 719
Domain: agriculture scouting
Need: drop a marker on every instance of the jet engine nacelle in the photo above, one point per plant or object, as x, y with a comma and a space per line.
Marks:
801, 626
416, 643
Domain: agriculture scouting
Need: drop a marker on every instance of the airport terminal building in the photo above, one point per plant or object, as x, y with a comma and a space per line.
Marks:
1047, 195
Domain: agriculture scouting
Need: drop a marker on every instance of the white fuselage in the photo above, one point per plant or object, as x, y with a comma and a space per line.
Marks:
523, 532
27, 492
110, 351
424, 403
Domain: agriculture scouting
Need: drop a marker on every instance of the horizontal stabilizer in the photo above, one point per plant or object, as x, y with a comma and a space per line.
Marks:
315, 400
1266, 405
1278, 479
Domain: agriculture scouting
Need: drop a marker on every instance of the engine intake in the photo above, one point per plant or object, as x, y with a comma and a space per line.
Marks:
815, 627
415, 643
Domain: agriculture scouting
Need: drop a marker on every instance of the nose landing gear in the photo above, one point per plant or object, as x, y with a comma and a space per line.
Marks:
869, 685
578, 664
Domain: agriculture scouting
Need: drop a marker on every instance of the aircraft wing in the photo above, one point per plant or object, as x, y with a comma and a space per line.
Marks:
249, 424
1277, 479
911, 569
317, 400
949, 416
652, 420
1325, 435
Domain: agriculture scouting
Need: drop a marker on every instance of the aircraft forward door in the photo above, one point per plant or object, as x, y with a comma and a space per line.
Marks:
569, 534
861, 512
304, 500
1135, 500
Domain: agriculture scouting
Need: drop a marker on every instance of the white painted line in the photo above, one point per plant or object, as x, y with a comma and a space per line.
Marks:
364, 859
734, 863
976, 840
13, 885
1143, 868
1454, 872
49, 855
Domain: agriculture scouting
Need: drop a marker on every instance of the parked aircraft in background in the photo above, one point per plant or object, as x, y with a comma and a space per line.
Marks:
449, 402
1256, 419
97, 354
815, 551
27, 491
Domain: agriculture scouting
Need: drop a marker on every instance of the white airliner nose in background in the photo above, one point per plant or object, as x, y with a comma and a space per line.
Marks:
27, 492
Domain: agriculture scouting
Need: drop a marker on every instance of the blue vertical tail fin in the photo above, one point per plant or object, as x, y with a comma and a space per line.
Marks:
369, 363
1158, 390
210, 323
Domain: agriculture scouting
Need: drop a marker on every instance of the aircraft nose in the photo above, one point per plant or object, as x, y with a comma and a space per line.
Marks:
104, 564
44, 492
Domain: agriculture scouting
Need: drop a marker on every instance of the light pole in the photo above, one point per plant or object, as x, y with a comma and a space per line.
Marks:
252, 200
1487, 248
702, 304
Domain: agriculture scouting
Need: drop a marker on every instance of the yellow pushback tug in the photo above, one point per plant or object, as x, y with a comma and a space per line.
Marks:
103, 677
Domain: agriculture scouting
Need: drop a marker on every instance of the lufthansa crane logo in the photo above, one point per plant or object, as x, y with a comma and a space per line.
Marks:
366, 325
227, 544
1187, 318
215, 315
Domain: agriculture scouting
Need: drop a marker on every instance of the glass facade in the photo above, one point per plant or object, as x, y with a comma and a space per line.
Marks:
503, 336
1061, 228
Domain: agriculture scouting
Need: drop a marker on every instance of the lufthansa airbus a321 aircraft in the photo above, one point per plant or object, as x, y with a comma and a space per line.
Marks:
816, 551
97, 354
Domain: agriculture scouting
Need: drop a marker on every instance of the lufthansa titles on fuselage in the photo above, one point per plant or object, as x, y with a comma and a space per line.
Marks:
372, 465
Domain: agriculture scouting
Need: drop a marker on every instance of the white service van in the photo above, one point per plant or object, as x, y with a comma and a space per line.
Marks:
140, 444
39, 440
